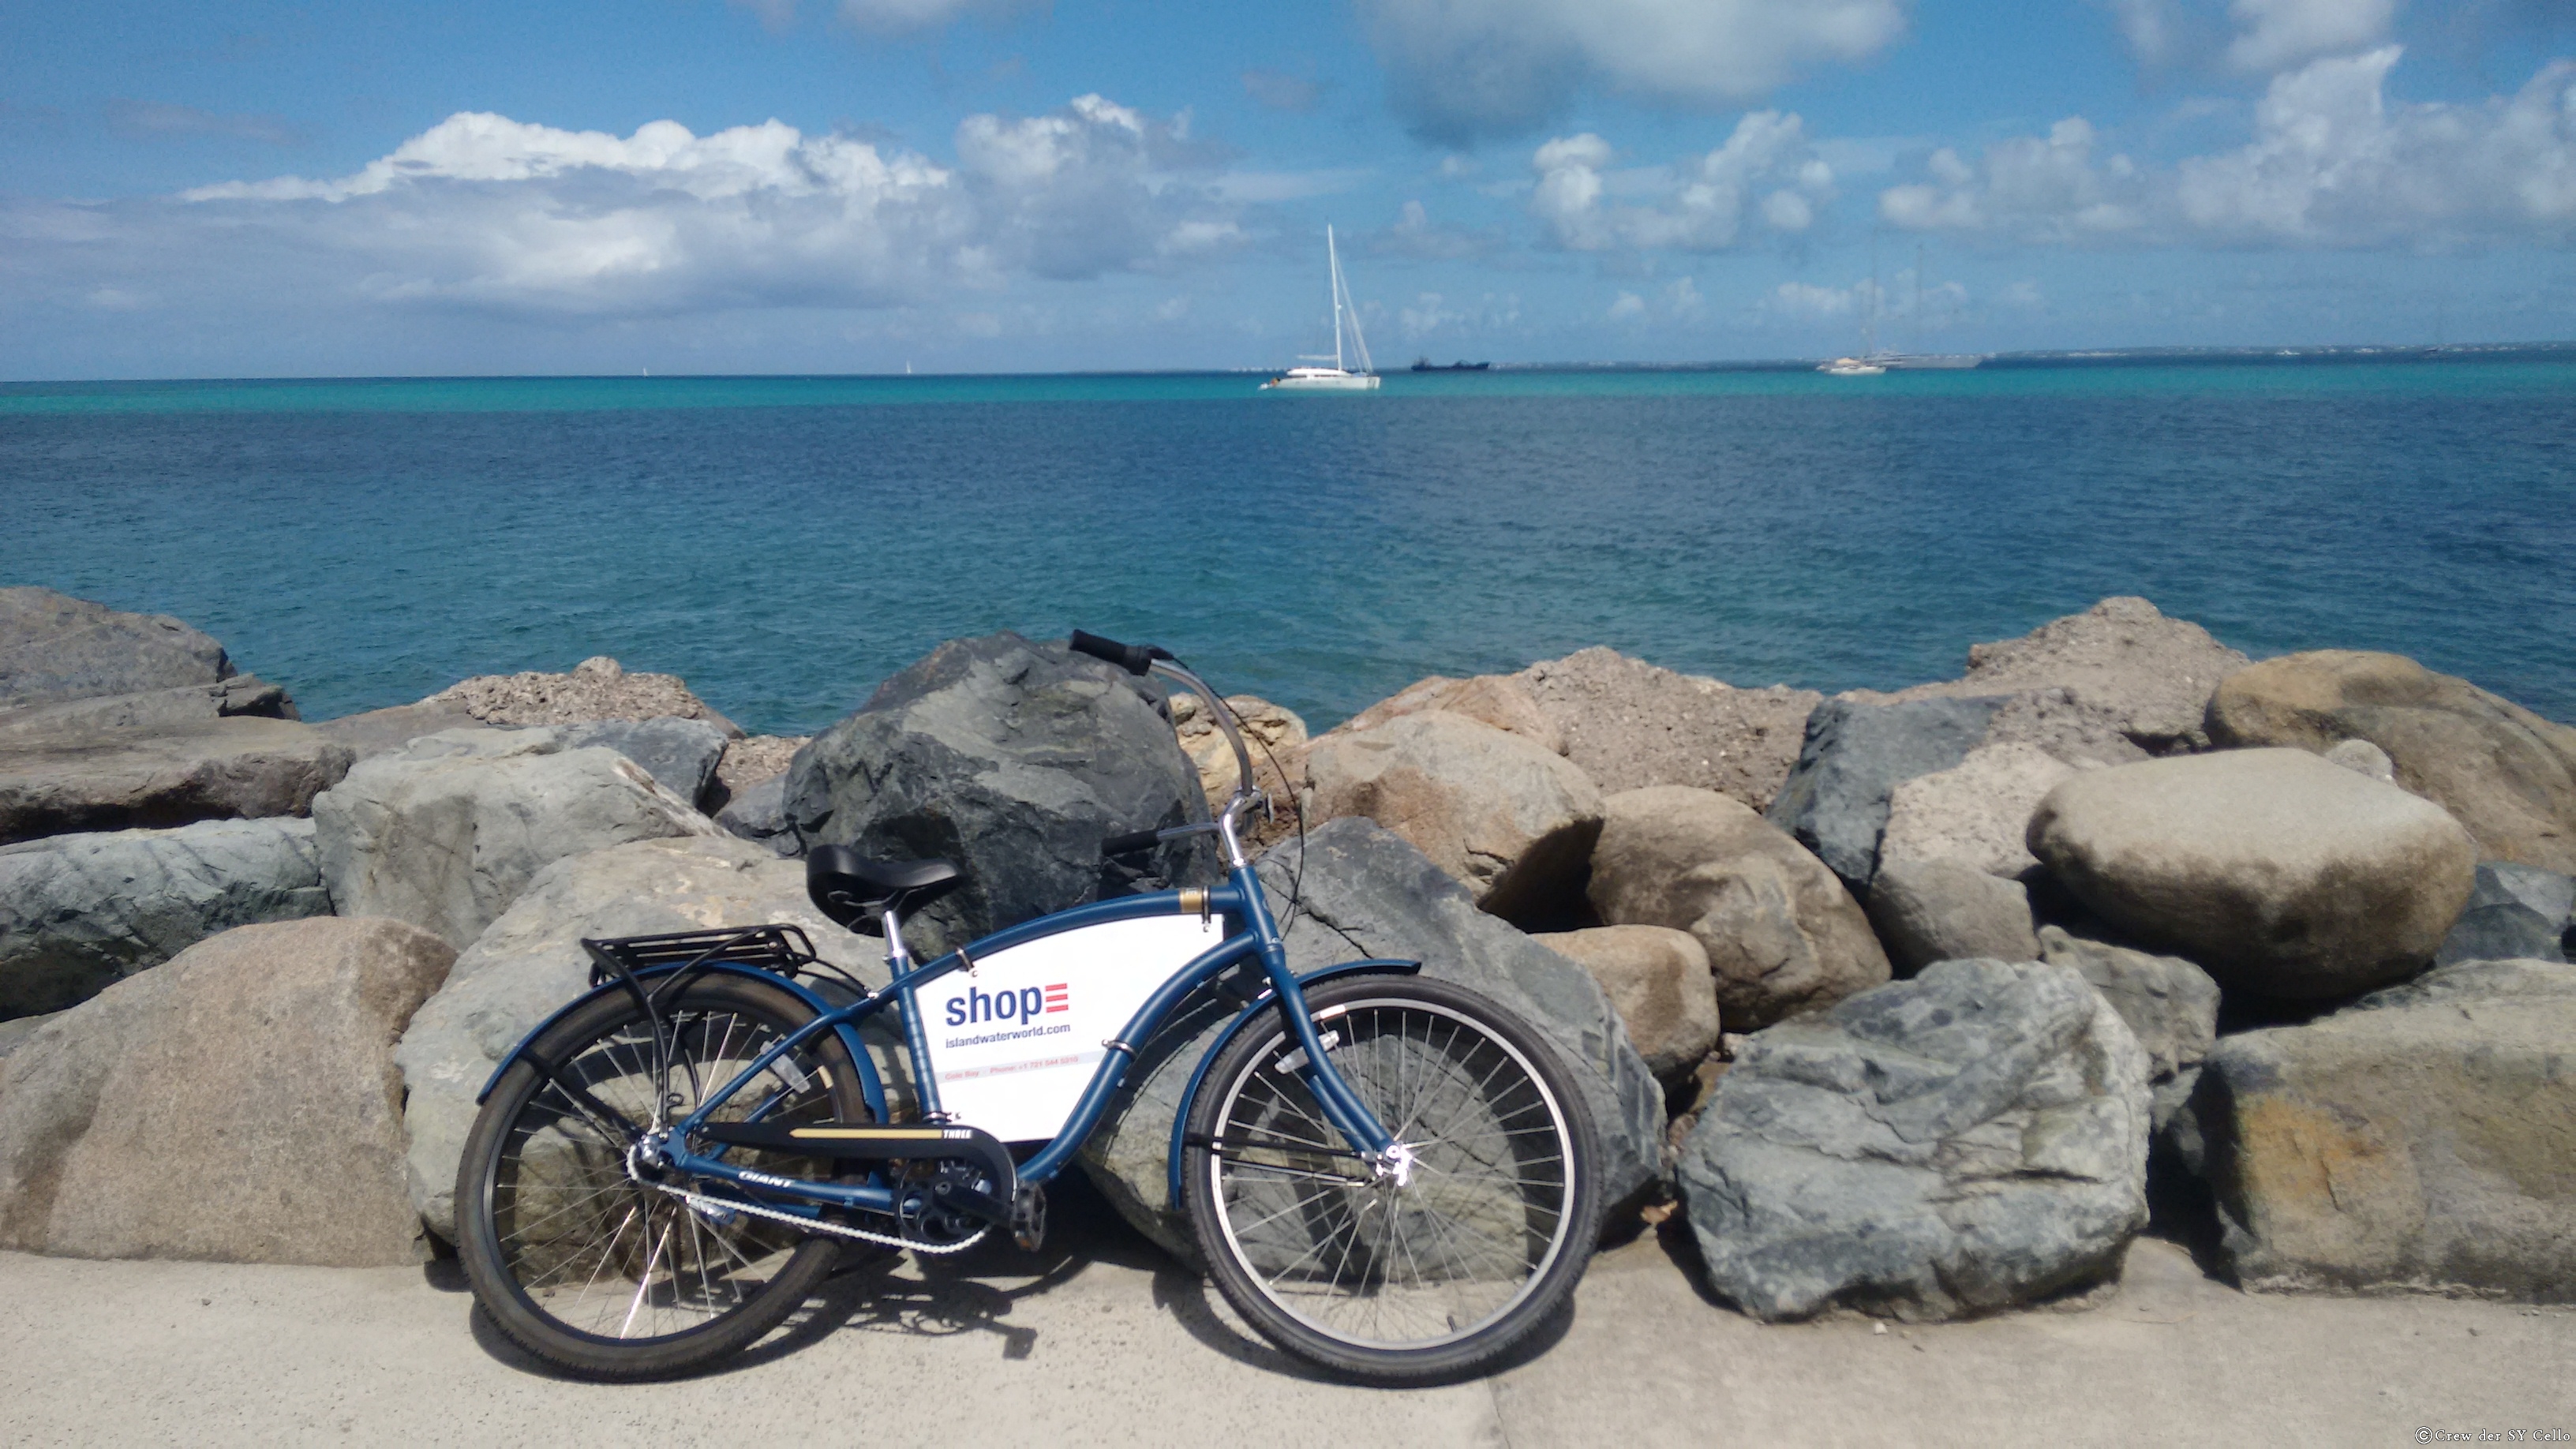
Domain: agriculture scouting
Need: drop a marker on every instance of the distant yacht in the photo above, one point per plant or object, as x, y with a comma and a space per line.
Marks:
1335, 378
1852, 367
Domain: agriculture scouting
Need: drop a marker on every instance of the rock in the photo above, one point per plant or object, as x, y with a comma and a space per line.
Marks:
1975, 813
239, 1104
1657, 979
80, 912
2170, 1005
2505, 773
2418, 1140
2365, 757
1015, 760
2281, 874
209, 769
1505, 818
2150, 676
530, 961
1629, 724
680, 754
383, 731
447, 832
754, 758
15, 1031
1940, 910
597, 689
1273, 734
1782, 935
2514, 912
759, 815
1365, 892
2081, 733
1964, 1142
1493, 699
88, 720
55, 647
1835, 801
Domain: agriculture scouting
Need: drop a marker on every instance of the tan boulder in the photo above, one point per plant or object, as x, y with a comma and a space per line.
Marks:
1275, 736
1500, 700
1630, 724
1975, 813
1781, 933
1504, 816
2149, 676
2505, 773
2279, 873
238, 1104
597, 688
1657, 979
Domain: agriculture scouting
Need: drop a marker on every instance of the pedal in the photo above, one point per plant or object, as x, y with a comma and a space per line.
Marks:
1029, 1218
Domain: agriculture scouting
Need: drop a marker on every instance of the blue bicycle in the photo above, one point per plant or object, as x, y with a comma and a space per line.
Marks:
1386, 1175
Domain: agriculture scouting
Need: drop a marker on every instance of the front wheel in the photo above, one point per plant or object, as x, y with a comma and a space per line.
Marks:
1415, 1275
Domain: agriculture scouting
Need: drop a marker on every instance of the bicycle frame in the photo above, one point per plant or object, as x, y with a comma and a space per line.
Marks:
1240, 900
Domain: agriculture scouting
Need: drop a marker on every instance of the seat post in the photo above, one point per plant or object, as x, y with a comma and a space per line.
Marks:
898, 955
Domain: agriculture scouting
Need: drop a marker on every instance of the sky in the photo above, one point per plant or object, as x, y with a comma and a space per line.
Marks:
746, 186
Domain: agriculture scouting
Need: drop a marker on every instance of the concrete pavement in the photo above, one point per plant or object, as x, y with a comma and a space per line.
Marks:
1103, 1341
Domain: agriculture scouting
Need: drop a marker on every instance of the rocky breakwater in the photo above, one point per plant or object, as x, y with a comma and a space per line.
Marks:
110, 721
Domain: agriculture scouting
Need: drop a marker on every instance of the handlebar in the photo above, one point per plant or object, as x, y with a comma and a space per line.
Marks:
1134, 658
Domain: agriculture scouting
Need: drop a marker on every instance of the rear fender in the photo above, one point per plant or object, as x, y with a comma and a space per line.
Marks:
1234, 1028
870, 1087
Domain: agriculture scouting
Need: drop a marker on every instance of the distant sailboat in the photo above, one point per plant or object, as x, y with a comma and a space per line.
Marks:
1869, 363
1336, 378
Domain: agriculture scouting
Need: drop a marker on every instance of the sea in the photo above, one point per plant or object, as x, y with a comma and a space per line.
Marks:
785, 543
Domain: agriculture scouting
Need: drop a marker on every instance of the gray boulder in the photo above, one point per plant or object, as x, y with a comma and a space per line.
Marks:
2170, 1005
1854, 755
382, 731
759, 815
1365, 892
1781, 933
239, 1104
1657, 979
2282, 874
1938, 910
88, 719
1629, 724
680, 753
447, 831
2121, 662
55, 647
1015, 760
1970, 1140
80, 912
1977, 812
225, 767
2514, 912
2416, 1141
530, 961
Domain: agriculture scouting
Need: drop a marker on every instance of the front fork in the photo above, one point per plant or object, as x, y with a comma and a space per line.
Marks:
1341, 1106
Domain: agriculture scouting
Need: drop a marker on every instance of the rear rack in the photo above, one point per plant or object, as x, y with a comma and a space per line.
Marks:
784, 950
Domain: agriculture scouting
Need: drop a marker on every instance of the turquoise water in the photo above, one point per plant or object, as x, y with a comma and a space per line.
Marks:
785, 543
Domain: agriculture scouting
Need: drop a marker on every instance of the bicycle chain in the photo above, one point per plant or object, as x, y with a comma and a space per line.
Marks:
701, 1201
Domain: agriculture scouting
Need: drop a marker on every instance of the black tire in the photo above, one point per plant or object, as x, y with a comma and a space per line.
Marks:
1476, 1251
544, 1190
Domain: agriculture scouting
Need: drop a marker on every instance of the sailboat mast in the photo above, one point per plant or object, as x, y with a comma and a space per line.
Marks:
1333, 259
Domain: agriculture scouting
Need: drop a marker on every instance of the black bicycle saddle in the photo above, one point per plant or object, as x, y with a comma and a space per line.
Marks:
852, 889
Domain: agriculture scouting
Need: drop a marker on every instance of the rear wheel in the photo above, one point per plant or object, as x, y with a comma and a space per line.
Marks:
593, 1265
1410, 1276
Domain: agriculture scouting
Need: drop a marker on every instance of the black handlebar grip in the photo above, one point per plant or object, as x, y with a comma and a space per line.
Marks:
1134, 658
1130, 842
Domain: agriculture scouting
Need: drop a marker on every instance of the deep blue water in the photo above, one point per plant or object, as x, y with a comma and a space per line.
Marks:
786, 543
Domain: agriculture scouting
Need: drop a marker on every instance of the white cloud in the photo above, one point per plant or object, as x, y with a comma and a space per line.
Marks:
1415, 234
484, 210
1461, 70
2332, 163
2040, 189
2274, 34
886, 17
1432, 315
1766, 173
1627, 307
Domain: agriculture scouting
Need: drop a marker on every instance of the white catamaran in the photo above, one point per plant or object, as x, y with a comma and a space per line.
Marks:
1336, 378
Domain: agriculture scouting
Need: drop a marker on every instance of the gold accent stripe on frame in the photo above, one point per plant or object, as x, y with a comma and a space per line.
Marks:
1194, 901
